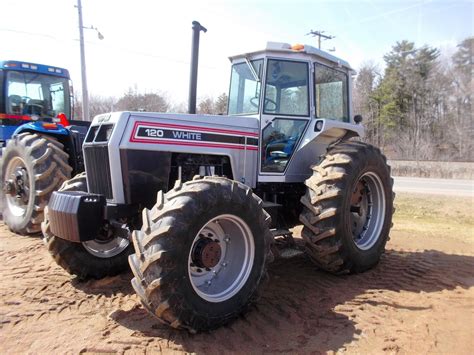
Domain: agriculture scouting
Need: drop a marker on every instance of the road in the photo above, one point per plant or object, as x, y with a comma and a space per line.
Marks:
434, 186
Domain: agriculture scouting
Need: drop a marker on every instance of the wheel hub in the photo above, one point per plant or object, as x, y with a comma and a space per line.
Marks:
16, 187
106, 245
18, 184
359, 204
206, 253
9, 187
221, 258
367, 211
21, 184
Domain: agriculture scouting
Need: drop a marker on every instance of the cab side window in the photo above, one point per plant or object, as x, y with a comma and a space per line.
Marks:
331, 93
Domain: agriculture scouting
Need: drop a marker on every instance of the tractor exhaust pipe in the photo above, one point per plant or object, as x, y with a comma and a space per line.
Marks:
197, 28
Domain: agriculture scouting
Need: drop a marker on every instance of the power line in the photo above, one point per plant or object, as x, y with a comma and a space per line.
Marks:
110, 46
320, 35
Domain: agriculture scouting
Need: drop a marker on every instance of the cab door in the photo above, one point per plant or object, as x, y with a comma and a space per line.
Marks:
286, 112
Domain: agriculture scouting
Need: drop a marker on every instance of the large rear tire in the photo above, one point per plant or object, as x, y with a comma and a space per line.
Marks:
31, 168
93, 259
201, 253
347, 209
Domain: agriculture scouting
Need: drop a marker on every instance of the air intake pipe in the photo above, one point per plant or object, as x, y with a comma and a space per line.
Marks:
197, 28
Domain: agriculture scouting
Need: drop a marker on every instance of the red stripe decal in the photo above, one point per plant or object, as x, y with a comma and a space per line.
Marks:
195, 144
192, 143
204, 129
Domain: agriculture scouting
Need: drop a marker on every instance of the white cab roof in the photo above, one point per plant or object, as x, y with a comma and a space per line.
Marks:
285, 49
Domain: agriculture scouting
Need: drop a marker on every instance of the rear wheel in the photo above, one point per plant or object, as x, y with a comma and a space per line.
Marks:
32, 167
201, 253
106, 255
348, 207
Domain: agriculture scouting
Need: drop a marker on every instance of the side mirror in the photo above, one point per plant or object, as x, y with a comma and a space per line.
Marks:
358, 119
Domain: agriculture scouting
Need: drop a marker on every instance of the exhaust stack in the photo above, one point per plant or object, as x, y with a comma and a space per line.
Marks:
197, 28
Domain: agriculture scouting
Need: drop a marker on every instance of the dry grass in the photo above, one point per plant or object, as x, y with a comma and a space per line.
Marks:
435, 216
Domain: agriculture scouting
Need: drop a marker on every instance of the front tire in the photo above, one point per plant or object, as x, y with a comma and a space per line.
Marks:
347, 209
31, 168
201, 253
92, 259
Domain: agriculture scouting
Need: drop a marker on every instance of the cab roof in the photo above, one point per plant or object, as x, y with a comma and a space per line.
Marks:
287, 50
33, 68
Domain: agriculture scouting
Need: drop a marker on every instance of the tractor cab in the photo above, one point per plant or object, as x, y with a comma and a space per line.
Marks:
32, 92
289, 88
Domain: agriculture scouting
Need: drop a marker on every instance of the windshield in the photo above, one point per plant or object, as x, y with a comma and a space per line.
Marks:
244, 96
37, 94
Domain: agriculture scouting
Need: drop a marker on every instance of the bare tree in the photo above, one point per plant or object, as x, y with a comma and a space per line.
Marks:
211, 106
101, 104
365, 103
206, 106
132, 100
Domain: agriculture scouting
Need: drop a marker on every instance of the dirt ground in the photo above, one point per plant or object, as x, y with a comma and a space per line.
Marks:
419, 299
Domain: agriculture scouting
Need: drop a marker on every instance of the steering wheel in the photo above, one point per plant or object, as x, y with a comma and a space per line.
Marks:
25, 99
254, 103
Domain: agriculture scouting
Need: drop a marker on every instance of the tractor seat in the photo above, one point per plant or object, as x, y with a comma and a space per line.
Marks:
34, 107
14, 103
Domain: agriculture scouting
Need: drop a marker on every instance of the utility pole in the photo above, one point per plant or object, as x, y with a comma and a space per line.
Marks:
85, 95
320, 35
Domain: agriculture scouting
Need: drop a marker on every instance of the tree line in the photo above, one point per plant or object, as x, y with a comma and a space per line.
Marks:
134, 100
420, 107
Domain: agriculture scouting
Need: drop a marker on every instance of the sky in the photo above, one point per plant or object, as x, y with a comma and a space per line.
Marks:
147, 43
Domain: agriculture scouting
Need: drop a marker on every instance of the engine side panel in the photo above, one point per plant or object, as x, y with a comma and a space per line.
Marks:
144, 171
140, 147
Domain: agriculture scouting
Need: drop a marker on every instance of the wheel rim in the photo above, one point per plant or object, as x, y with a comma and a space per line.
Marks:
17, 187
221, 258
106, 248
367, 210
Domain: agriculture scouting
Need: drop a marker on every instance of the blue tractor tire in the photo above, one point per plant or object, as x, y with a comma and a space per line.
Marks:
33, 165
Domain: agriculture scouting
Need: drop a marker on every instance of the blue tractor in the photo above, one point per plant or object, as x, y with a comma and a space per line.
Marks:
40, 146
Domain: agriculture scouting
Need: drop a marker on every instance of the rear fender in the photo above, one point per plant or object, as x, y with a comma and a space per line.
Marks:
330, 132
63, 135
37, 127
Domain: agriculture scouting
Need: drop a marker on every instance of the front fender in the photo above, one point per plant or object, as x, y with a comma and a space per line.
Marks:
38, 127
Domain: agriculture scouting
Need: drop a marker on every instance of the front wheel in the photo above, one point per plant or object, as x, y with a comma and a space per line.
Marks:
201, 253
106, 255
347, 209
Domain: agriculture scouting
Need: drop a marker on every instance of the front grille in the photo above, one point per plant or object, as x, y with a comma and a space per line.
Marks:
98, 170
99, 134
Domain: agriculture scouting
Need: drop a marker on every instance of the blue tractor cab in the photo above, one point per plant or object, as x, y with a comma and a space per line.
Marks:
33, 93
36, 134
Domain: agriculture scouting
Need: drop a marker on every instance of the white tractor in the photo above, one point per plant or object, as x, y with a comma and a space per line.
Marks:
205, 196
